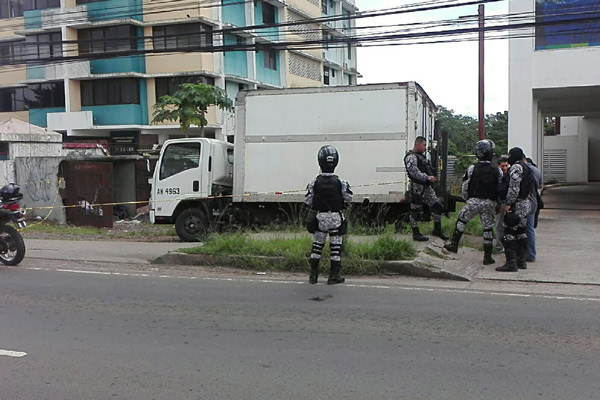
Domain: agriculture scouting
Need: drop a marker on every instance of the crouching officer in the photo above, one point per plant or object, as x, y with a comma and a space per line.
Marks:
421, 177
517, 209
480, 190
327, 194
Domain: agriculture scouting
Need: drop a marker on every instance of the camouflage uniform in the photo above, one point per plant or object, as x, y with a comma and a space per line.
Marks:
515, 237
486, 208
522, 207
328, 222
480, 189
421, 191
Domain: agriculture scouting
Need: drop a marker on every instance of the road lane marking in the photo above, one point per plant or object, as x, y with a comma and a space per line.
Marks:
289, 282
10, 353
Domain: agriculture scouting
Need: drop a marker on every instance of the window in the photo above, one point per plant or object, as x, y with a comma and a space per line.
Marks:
45, 95
40, 4
41, 95
107, 39
4, 155
10, 52
13, 99
88, 1
325, 40
173, 37
324, 6
110, 91
349, 51
270, 59
170, 85
43, 46
179, 157
268, 13
326, 75
11, 9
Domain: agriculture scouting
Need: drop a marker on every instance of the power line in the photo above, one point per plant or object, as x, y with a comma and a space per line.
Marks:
376, 38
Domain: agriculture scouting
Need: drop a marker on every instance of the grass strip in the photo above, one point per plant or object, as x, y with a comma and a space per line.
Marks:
279, 254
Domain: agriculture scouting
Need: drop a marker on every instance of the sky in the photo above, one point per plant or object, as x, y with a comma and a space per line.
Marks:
448, 72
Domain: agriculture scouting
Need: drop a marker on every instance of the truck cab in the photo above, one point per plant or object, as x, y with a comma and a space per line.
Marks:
189, 174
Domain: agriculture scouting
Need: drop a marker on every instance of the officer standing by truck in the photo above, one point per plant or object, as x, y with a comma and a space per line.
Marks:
517, 209
328, 195
480, 189
421, 177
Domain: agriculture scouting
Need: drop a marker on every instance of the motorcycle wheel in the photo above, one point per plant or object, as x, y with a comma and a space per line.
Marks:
12, 246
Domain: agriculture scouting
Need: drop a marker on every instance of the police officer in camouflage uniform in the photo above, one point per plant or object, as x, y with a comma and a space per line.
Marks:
328, 194
480, 189
517, 209
421, 177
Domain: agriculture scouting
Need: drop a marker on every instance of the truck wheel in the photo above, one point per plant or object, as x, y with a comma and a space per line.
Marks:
192, 225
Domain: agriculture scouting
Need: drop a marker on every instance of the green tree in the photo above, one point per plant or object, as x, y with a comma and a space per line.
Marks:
189, 105
463, 131
496, 129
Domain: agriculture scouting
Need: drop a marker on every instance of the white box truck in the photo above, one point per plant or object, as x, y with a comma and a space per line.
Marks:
278, 133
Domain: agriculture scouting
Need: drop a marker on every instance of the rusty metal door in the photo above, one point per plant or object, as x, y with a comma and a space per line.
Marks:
89, 187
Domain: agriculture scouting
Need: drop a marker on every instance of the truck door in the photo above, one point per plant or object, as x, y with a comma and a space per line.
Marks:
178, 176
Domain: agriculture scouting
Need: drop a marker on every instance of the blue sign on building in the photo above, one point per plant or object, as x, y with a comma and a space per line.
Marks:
567, 23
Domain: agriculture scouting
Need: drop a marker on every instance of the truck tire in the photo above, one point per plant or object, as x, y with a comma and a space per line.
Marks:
192, 225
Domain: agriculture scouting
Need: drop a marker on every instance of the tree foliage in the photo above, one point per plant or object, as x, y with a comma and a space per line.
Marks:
189, 105
463, 131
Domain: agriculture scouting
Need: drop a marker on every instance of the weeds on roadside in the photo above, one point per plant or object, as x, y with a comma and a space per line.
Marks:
292, 254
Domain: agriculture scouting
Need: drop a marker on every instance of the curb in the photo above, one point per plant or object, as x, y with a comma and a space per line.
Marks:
418, 267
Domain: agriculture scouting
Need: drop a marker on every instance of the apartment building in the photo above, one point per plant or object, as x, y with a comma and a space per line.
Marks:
92, 70
554, 77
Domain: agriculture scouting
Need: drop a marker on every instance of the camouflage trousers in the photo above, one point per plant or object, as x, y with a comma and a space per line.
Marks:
522, 208
329, 223
419, 195
486, 208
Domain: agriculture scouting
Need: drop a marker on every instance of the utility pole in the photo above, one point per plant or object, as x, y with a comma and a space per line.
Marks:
481, 73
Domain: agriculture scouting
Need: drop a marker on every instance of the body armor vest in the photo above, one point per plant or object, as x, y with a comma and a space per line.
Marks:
526, 182
423, 165
484, 181
328, 193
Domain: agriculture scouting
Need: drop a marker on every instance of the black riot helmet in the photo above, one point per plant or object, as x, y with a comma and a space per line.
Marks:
515, 154
484, 150
328, 158
10, 192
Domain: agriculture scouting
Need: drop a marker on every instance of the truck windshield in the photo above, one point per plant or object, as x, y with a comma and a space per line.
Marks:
179, 157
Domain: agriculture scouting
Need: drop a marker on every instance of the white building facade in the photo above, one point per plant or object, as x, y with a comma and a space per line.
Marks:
554, 73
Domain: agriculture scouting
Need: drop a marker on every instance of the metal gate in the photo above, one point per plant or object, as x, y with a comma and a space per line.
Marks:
89, 193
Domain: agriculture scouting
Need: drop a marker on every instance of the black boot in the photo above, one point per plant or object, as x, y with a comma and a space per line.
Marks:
510, 250
437, 231
334, 273
418, 236
314, 270
487, 254
522, 244
453, 245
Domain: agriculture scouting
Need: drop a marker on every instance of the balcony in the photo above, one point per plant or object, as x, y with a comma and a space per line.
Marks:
62, 121
57, 17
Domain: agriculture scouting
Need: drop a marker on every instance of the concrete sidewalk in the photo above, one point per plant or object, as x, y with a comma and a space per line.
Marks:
568, 238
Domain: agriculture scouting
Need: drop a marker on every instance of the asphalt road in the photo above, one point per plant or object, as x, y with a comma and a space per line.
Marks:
75, 331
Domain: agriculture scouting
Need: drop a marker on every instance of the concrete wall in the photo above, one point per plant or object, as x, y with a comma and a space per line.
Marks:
542, 69
39, 185
7, 172
592, 127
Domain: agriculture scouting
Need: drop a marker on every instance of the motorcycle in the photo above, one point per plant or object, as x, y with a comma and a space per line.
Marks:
12, 246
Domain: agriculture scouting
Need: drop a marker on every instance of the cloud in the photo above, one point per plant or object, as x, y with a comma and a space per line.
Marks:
449, 71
